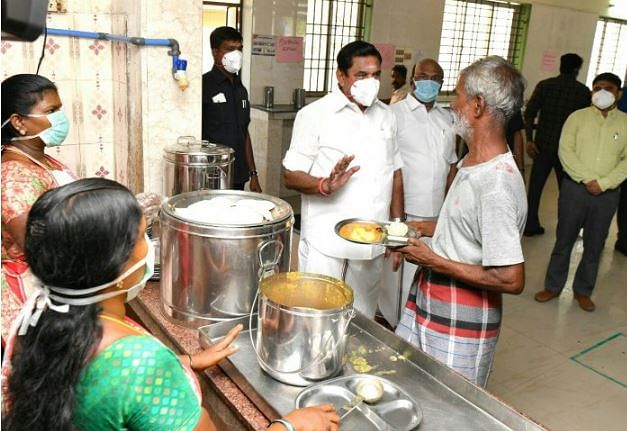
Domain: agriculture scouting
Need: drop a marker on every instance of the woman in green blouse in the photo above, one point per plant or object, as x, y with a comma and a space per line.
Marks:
73, 359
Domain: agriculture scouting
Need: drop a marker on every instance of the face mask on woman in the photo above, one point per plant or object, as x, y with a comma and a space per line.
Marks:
54, 135
365, 91
603, 99
232, 61
131, 292
426, 90
40, 299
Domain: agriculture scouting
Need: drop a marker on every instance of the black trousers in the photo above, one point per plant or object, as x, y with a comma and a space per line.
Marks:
579, 209
621, 217
544, 162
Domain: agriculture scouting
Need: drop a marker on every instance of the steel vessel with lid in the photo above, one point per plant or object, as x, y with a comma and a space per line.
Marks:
193, 164
211, 271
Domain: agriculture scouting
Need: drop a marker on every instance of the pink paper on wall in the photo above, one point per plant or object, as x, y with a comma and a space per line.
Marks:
289, 49
549, 61
387, 54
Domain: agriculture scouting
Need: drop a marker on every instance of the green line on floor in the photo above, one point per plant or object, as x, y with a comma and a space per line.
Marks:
575, 358
599, 344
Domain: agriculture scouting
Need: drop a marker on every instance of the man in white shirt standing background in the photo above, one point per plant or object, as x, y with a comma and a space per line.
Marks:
348, 127
427, 144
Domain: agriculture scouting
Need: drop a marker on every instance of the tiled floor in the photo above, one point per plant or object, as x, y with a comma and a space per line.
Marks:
560, 365
556, 363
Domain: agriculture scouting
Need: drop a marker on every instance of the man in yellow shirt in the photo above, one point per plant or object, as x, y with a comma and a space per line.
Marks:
593, 151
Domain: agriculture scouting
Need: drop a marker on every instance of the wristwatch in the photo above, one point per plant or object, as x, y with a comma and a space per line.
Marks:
252, 173
288, 426
400, 219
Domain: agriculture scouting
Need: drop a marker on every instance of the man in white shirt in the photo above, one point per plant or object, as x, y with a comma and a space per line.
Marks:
347, 126
427, 144
399, 83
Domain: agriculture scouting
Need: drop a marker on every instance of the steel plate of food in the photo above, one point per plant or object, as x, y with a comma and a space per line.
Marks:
362, 232
389, 234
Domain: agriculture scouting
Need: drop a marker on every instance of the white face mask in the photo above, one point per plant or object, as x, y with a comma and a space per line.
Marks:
365, 91
131, 292
603, 99
232, 61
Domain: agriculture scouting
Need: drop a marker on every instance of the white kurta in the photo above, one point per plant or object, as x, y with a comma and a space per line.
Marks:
324, 132
427, 144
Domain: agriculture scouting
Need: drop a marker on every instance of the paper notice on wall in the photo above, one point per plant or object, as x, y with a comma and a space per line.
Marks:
549, 62
289, 49
387, 54
263, 44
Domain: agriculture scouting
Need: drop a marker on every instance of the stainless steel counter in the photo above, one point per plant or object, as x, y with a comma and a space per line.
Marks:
448, 401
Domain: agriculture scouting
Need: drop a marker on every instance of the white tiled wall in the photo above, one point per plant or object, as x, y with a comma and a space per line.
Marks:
92, 77
82, 69
169, 112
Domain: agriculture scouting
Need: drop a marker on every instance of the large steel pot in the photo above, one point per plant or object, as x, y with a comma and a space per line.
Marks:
192, 164
211, 272
302, 325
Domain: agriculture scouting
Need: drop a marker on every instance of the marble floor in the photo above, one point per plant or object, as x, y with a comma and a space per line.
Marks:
562, 366
556, 363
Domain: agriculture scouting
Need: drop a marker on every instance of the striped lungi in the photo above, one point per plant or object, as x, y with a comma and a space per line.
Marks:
455, 323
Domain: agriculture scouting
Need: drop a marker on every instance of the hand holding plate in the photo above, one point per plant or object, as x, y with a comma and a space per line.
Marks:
417, 252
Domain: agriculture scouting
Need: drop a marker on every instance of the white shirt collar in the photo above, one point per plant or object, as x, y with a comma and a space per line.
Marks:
414, 104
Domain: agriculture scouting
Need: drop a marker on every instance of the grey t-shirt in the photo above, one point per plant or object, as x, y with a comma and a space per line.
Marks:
484, 215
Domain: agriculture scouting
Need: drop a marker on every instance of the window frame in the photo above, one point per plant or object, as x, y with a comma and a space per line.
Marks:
517, 36
332, 41
597, 45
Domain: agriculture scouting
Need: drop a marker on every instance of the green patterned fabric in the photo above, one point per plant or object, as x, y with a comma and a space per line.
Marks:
136, 383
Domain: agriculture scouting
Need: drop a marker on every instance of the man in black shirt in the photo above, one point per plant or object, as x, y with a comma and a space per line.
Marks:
555, 98
225, 105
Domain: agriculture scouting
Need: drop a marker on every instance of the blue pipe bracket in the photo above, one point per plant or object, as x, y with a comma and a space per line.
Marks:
179, 66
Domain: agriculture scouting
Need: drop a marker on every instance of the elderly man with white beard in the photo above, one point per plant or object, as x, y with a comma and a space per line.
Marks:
454, 308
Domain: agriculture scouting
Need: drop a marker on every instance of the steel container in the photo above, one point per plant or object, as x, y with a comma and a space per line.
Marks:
268, 97
302, 326
211, 272
298, 97
192, 164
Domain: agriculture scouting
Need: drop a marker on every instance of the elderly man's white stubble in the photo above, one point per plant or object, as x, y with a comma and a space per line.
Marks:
461, 125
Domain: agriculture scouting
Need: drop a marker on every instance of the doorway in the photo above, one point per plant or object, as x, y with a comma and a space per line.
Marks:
217, 14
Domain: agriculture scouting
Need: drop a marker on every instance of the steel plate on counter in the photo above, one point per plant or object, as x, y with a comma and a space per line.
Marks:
372, 232
446, 400
395, 411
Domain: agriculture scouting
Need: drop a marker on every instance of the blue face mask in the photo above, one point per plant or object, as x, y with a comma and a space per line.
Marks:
426, 90
54, 135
